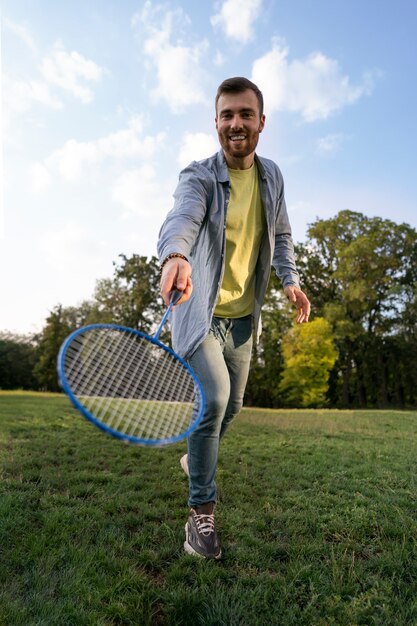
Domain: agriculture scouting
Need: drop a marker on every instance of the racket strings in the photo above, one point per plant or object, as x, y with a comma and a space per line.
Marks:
114, 384
130, 384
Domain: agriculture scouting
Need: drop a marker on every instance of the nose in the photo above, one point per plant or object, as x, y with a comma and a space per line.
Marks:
236, 122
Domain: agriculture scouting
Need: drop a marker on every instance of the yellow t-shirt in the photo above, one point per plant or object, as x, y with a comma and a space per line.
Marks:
245, 223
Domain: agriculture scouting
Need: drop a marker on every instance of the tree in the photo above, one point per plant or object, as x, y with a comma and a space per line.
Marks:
400, 355
267, 361
309, 356
358, 270
131, 297
17, 357
59, 324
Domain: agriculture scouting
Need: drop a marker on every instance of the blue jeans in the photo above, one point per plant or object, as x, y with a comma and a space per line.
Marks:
221, 363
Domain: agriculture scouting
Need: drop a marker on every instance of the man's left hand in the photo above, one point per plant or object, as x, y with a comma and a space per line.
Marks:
301, 302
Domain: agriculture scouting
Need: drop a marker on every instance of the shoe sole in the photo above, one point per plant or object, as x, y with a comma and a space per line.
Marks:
190, 550
184, 465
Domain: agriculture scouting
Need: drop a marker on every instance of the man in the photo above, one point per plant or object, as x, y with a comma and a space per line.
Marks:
228, 226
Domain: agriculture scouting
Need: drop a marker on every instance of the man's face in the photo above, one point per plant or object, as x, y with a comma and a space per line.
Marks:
238, 124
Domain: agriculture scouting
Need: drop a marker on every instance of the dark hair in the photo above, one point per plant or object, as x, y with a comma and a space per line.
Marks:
238, 84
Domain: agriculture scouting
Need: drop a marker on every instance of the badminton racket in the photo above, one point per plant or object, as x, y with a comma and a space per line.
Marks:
129, 384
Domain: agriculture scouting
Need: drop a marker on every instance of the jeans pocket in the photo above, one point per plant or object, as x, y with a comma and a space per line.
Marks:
219, 327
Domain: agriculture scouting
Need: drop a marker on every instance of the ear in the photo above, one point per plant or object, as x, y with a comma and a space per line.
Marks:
262, 123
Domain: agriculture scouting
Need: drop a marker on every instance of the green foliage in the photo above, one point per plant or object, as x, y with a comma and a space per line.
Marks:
361, 273
17, 358
267, 361
59, 324
309, 356
131, 297
360, 264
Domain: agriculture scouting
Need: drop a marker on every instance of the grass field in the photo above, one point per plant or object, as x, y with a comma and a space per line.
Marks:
317, 517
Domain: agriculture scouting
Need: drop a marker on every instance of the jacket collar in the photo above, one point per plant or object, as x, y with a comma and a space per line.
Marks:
221, 167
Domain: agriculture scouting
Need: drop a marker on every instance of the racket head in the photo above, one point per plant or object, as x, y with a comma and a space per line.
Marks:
163, 404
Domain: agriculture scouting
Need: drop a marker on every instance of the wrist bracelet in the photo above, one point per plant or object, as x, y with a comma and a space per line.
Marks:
174, 255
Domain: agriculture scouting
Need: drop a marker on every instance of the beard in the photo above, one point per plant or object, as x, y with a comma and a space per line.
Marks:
242, 148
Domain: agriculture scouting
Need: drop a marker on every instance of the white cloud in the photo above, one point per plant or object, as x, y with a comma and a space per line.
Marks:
141, 193
236, 18
20, 95
21, 31
71, 71
146, 199
70, 161
219, 59
40, 178
179, 68
330, 143
72, 247
315, 87
196, 146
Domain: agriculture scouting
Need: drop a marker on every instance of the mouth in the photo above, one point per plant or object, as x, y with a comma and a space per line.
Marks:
237, 137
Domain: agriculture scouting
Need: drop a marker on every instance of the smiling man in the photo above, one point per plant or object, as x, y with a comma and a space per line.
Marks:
228, 226
239, 121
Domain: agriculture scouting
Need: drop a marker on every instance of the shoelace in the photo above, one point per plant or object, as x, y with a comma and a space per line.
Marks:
205, 524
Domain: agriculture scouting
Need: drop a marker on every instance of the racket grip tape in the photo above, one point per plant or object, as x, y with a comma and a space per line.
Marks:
175, 296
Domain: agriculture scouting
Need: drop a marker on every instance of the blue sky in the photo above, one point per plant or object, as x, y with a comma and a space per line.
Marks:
105, 101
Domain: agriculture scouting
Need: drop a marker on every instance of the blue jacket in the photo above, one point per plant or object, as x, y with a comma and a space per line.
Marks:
196, 227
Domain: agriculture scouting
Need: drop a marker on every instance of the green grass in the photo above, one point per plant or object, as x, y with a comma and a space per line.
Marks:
317, 517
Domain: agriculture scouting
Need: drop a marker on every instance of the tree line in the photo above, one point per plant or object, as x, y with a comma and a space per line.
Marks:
358, 350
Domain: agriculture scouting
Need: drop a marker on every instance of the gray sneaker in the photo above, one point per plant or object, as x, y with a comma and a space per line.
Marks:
200, 533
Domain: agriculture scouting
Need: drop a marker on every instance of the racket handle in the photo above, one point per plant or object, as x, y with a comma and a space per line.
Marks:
175, 296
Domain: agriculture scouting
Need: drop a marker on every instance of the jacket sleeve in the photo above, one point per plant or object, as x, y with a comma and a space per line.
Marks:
183, 223
284, 257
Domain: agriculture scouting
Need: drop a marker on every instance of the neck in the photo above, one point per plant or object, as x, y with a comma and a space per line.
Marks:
240, 163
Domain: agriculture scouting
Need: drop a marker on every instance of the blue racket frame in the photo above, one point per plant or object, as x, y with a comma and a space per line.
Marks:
154, 340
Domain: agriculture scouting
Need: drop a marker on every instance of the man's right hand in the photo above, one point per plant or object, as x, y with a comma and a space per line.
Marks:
176, 274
